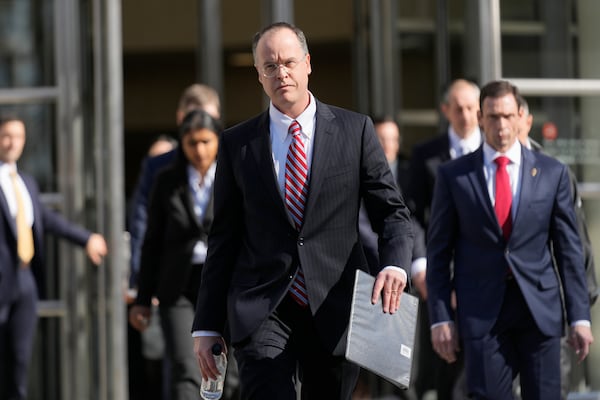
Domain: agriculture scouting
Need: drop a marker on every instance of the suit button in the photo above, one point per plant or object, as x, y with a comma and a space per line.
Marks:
291, 277
301, 241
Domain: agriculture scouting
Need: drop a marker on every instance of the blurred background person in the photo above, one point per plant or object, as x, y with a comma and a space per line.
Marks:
161, 145
25, 222
145, 350
509, 304
195, 96
180, 214
460, 104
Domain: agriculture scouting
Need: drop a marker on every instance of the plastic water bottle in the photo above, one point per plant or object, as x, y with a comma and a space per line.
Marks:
212, 389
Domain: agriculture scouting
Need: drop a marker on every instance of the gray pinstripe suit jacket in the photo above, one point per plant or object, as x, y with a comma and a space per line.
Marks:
254, 251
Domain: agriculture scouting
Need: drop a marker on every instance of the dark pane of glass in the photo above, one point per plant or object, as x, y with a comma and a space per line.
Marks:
26, 43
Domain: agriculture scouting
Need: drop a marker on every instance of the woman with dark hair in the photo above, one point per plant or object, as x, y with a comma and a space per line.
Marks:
180, 213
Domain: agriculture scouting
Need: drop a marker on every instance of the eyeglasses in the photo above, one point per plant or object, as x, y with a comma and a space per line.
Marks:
271, 70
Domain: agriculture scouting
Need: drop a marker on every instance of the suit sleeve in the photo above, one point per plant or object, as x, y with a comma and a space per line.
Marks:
419, 250
440, 241
389, 215
588, 253
568, 252
54, 222
417, 186
224, 243
152, 244
137, 220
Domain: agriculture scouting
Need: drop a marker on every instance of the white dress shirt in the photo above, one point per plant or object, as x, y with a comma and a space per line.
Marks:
281, 139
6, 184
513, 168
459, 146
201, 189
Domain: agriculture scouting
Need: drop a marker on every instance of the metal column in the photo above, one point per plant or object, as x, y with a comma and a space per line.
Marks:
210, 47
385, 64
277, 10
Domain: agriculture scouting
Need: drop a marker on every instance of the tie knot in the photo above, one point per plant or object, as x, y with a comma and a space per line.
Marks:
294, 128
502, 161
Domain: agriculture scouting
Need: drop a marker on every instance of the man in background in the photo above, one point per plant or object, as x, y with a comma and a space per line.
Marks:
495, 214
460, 104
25, 222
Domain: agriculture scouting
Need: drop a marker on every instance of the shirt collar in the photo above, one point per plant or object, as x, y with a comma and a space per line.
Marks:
6, 168
513, 153
281, 122
471, 142
196, 179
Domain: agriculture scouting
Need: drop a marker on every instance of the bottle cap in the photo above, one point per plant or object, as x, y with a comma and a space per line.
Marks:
217, 349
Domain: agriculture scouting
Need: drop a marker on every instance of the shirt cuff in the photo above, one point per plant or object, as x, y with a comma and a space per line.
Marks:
582, 322
442, 323
205, 333
403, 272
418, 265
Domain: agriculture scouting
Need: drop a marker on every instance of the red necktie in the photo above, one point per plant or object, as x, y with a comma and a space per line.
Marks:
296, 190
503, 196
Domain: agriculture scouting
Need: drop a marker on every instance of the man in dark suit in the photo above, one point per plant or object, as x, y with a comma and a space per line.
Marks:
281, 262
24, 222
495, 213
460, 104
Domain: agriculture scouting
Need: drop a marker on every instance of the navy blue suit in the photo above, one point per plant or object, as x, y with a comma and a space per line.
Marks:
19, 288
139, 208
463, 230
424, 162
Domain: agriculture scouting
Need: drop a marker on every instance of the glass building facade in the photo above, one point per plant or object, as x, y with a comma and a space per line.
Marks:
97, 80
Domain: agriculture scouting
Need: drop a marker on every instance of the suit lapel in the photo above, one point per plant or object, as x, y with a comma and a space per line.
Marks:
479, 184
35, 204
208, 214
260, 146
186, 198
325, 133
528, 185
6, 213
184, 195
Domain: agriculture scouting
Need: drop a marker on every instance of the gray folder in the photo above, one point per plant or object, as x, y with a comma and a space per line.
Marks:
382, 343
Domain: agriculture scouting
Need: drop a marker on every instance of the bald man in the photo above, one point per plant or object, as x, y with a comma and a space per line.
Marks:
460, 104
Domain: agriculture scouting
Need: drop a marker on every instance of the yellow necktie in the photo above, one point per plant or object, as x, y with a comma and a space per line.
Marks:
24, 232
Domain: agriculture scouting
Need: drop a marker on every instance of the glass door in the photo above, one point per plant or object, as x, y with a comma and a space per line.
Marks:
59, 72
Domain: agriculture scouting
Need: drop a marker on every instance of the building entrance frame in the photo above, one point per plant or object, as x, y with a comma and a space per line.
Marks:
81, 340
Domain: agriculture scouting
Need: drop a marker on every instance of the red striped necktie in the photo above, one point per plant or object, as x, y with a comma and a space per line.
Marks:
296, 190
